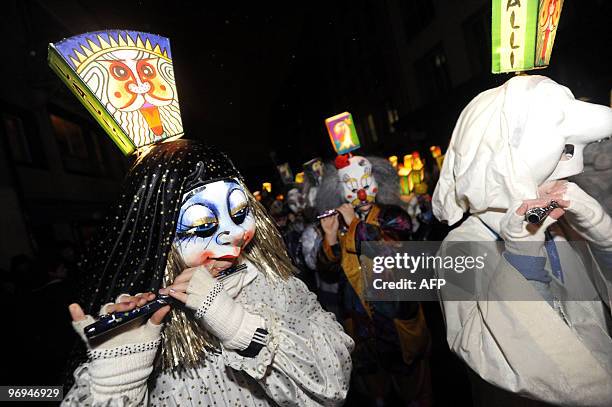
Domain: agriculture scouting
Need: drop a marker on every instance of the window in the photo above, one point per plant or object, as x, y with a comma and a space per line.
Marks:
432, 74
16, 138
392, 118
372, 128
477, 34
69, 137
21, 138
78, 144
416, 15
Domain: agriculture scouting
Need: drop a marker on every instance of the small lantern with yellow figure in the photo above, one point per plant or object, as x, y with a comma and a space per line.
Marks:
406, 184
436, 153
418, 168
393, 161
408, 161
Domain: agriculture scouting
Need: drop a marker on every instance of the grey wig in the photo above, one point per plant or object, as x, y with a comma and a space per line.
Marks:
330, 194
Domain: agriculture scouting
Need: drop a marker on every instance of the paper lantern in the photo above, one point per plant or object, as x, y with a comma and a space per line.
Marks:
406, 184
408, 161
125, 79
523, 33
418, 168
266, 186
436, 153
342, 133
299, 178
393, 161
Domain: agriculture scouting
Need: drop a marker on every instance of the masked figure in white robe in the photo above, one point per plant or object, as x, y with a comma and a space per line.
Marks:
538, 331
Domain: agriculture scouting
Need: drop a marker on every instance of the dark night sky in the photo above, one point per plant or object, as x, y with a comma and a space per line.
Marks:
232, 63
250, 74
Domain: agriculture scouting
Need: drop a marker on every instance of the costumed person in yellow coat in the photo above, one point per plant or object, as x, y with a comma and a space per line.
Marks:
392, 339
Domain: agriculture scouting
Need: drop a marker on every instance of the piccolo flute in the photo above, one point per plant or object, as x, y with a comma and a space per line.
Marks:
332, 212
112, 321
537, 215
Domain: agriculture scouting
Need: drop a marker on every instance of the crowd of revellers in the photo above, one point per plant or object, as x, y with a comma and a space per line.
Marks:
391, 360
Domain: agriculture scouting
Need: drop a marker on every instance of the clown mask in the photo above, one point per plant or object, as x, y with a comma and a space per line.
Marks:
215, 224
358, 184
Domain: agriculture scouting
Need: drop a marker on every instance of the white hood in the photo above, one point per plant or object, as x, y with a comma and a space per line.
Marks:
509, 140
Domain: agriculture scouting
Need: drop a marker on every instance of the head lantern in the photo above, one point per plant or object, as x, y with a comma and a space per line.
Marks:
126, 81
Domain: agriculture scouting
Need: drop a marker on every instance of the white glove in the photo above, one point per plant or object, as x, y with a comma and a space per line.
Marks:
521, 237
119, 365
588, 217
220, 314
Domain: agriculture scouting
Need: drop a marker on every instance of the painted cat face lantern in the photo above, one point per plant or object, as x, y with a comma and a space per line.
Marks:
136, 84
215, 224
358, 184
126, 80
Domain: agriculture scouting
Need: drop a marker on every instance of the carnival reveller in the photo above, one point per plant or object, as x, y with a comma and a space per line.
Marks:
542, 337
365, 193
255, 337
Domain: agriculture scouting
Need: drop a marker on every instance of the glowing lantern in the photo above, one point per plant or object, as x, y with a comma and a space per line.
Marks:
393, 161
299, 178
266, 186
418, 168
523, 33
408, 161
342, 132
436, 153
257, 195
421, 189
280, 197
406, 184
100, 69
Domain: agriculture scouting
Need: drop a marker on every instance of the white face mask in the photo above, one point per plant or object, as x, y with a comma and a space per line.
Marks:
295, 200
358, 184
557, 129
215, 224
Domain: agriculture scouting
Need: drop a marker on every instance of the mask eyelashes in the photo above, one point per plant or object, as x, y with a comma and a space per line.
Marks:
207, 226
241, 211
